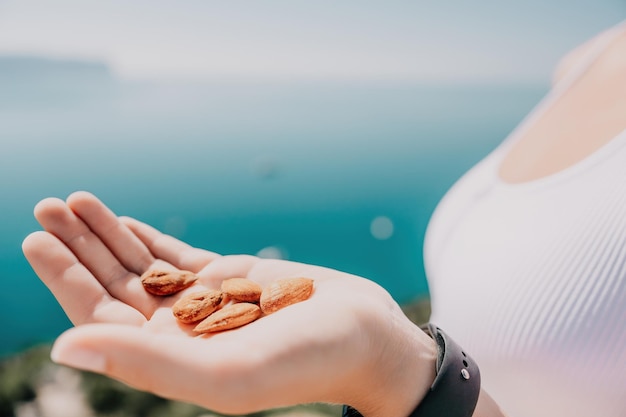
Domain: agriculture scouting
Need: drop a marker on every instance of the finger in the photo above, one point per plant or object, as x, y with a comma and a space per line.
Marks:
119, 239
149, 361
56, 218
82, 297
226, 373
168, 248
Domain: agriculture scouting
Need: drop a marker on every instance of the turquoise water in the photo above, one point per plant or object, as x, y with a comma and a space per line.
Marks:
236, 167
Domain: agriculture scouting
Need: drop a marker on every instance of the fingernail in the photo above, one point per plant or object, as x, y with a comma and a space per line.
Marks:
78, 357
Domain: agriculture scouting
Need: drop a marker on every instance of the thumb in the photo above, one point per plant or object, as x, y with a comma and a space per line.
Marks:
171, 366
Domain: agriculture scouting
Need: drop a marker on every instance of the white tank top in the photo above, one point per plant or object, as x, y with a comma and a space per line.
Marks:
530, 278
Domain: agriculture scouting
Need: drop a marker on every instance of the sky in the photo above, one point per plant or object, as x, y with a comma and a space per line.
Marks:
417, 40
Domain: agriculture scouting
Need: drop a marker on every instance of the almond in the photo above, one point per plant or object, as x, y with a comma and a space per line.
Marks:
229, 317
197, 306
159, 282
242, 289
284, 292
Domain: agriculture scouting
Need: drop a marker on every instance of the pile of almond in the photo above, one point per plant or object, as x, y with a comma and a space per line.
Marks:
238, 302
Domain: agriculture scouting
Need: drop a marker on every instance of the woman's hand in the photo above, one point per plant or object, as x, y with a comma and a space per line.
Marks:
349, 343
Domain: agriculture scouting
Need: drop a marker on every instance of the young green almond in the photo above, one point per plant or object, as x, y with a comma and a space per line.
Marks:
242, 289
284, 292
160, 282
197, 306
229, 317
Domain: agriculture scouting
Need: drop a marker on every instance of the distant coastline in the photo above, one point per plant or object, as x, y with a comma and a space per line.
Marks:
32, 68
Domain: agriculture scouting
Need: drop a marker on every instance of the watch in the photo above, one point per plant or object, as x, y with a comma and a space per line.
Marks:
454, 393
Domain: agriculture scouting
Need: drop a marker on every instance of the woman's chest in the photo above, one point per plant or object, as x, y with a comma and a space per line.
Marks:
535, 290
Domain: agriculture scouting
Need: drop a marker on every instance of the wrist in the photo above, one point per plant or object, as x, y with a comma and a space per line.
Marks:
455, 390
400, 369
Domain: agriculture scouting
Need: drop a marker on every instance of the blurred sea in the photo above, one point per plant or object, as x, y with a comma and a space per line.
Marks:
299, 170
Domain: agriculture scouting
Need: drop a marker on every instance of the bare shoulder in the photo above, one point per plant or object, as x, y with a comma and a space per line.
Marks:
584, 116
578, 55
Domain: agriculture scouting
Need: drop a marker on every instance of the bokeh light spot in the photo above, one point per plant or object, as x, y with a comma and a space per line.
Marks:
272, 252
381, 228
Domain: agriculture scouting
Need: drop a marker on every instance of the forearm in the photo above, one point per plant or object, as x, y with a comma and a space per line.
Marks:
402, 403
405, 372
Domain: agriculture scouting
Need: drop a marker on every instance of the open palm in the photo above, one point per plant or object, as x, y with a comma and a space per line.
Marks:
312, 351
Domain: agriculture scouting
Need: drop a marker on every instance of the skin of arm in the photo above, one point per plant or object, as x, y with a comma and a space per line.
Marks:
406, 389
350, 343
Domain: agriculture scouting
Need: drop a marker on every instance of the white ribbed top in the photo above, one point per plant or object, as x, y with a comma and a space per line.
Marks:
530, 278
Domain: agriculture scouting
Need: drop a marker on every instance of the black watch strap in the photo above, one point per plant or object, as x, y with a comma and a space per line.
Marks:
454, 393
